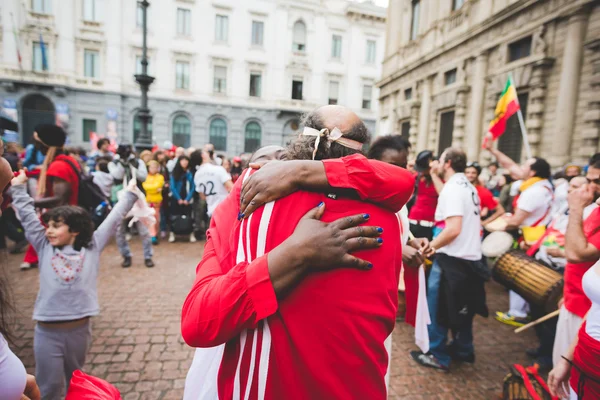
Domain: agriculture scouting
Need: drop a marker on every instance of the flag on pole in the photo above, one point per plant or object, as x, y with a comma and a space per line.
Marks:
44, 57
17, 43
507, 106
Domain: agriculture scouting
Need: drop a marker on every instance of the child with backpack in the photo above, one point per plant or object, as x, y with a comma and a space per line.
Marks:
69, 258
153, 185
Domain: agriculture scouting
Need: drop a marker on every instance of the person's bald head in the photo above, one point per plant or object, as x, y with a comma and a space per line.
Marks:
330, 117
268, 153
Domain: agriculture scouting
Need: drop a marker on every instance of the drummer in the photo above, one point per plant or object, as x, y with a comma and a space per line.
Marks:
532, 214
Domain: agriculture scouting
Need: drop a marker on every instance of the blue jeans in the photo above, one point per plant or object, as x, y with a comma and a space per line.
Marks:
438, 334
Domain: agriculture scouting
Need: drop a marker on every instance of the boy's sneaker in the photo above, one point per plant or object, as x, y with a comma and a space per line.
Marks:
154, 240
128, 236
508, 319
171, 237
149, 263
126, 262
428, 360
192, 238
25, 266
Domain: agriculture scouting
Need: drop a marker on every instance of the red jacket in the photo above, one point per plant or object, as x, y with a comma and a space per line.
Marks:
324, 339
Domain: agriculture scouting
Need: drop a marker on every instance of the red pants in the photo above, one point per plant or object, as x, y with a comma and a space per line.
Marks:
31, 256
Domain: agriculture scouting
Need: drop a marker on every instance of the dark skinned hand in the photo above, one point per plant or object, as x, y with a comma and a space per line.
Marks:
323, 246
273, 180
411, 257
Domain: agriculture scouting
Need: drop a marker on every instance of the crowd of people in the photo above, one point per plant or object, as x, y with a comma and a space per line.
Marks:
288, 239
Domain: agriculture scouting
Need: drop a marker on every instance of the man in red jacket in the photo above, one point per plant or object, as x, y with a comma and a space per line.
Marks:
276, 315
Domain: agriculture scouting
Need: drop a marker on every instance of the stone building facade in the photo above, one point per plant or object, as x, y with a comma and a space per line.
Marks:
447, 62
236, 73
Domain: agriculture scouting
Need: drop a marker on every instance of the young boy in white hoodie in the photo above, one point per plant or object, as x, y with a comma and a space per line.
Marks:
103, 178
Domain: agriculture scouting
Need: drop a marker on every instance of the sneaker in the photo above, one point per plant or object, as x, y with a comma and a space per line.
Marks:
508, 319
171, 237
25, 266
192, 238
154, 240
428, 360
149, 263
126, 262
128, 236
458, 357
163, 235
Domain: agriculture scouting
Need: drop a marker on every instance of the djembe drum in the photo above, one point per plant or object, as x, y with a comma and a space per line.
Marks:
530, 279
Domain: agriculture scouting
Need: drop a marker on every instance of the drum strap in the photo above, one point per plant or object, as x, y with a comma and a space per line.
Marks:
527, 382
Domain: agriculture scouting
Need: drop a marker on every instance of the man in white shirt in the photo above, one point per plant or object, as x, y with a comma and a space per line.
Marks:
455, 290
212, 182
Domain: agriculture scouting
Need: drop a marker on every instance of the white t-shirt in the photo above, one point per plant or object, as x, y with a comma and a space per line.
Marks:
460, 199
210, 180
403, 217
537, 200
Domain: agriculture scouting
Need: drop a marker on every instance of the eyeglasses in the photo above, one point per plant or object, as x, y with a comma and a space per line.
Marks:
594, 181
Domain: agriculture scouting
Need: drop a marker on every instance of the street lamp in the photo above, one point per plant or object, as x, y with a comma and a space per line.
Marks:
144, 140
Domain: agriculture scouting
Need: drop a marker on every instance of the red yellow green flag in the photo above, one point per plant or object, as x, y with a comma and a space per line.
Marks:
507, 106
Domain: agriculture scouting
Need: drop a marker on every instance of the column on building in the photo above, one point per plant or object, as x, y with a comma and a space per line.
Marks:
394, 26
568, 89
393, 115
434, 135
536, 103
591, 132
424, 114
474, 132
413, 132
460, 112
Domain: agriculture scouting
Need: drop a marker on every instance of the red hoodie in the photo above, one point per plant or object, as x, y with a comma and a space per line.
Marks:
325, 339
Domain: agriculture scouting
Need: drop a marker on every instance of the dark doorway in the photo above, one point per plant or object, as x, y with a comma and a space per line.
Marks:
405, 129
37, 109
511, 143
446, 130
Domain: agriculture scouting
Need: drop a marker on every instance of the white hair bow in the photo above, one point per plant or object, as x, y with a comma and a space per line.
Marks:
335, 135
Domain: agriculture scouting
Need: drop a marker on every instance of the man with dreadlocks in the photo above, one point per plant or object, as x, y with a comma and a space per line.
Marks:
295, 300
58, 182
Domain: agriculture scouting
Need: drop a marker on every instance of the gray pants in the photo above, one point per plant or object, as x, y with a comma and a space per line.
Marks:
144, 234
58, 353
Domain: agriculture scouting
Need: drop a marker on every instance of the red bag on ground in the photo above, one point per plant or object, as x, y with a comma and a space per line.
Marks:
88, 387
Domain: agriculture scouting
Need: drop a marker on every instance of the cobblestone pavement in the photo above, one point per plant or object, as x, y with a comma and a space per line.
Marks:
138, 347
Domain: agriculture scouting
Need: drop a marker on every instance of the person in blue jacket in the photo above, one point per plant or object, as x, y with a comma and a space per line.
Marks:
182, 192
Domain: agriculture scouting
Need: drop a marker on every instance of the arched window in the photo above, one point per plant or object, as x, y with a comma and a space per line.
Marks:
218, 134
137, 128
182, 130
299, 43
252, 137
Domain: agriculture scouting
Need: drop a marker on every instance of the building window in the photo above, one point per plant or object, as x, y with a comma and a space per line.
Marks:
41, 6
138, 65
371, 51
90, 12
184, 21
255, 84
519, 49
137, 128
299, 43
450, 77
446, 131
511, 142
89, 126
297, 89
258, 28
336, 47
405, 129
414, 22
139, 15
220, 79
334, 92
38, 63
182, 131
182, 75
91, 63
218, 134
252, 137
366, 99
221, 28
456, 4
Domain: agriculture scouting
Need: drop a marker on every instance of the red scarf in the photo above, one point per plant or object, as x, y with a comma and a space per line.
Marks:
585, 374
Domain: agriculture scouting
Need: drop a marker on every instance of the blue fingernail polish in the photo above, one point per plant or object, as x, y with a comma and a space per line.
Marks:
379, 240
320, 204
239, 216
380, 230
369, 266
366, 216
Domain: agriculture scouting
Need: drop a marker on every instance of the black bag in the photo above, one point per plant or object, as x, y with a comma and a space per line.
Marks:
182, 225
90, 197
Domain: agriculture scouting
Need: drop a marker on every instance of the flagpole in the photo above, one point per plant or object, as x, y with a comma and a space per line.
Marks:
522, 124
17, 44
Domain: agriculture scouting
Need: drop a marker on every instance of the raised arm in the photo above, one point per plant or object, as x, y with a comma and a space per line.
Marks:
506, 162
24, 206
373, 181
108, 227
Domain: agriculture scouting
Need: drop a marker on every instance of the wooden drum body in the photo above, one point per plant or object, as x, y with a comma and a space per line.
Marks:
530, 279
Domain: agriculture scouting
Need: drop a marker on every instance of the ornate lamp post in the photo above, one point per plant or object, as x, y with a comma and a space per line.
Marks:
144, 140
